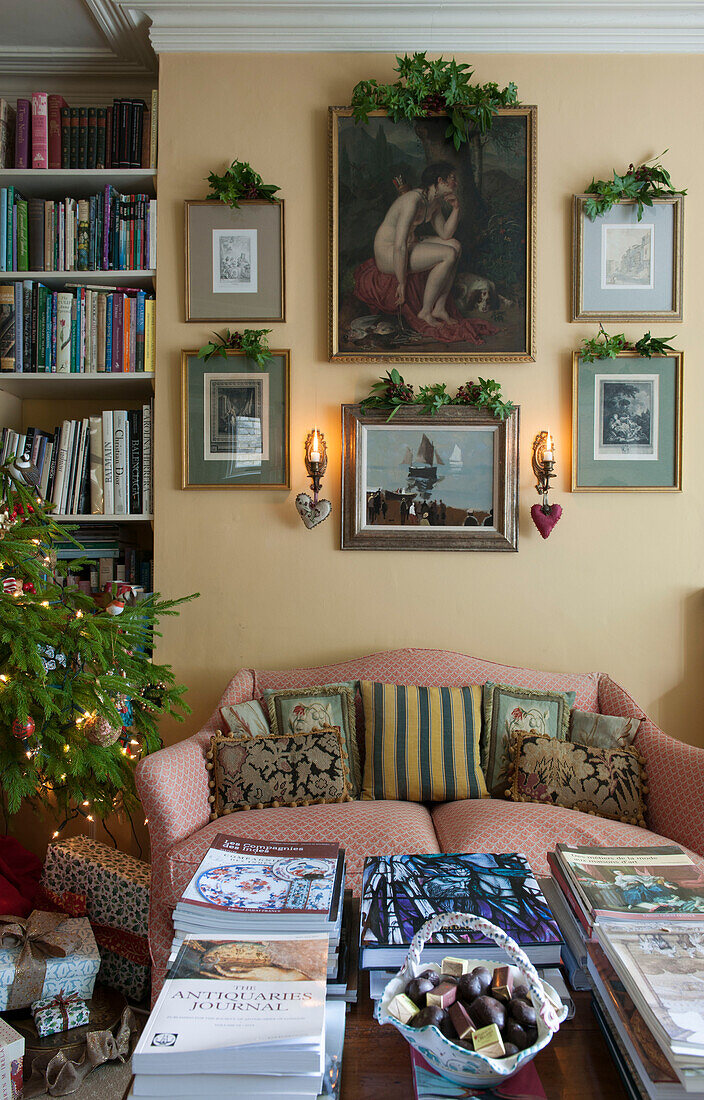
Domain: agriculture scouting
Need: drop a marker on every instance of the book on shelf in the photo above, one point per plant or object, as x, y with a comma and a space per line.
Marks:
80, 329
45, 132
76, 476
430, 1085
401, 892
107, 231
245, 1004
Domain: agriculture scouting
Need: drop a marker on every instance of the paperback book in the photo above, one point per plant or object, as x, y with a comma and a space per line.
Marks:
400, 893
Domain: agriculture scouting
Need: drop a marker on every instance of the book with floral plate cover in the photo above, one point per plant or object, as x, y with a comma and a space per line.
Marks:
401, 892
429, 1085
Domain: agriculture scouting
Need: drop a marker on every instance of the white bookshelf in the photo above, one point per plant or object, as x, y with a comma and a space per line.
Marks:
144, 279
80, 387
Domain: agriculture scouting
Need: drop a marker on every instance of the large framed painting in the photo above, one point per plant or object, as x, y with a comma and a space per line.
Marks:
419, 482
235, 261
625, 269
235, 422
432, 249
627, 424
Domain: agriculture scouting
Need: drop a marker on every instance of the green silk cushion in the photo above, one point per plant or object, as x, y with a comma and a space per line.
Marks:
603, 730
508, 709
246, 718
606, 782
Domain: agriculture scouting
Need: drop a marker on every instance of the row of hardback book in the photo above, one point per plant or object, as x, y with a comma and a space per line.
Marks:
45, 132
107, 231
99, 465
77, 330
244, 1010
636, 919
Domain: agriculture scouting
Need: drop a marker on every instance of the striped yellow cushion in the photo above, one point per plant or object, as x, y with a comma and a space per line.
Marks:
422, 743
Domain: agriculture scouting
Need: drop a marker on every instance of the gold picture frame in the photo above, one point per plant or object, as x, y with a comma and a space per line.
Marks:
504, 242
221, 286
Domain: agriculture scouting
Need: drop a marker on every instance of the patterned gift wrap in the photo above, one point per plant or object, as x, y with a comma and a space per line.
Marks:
59, 1013
131, 978
115, 885
74, 973
11, 1052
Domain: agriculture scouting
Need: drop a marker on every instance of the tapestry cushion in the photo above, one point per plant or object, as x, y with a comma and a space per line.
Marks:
494, 825
279, 769
606, 782
302, 709
508, 709
603, 730
361, 828
422, 743
246, 718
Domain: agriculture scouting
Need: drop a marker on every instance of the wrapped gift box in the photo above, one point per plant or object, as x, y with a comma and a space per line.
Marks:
11, 1053
53, 1014
114, 887
74, 973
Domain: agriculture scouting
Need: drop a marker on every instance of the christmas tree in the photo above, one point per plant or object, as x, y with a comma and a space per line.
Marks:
80, 697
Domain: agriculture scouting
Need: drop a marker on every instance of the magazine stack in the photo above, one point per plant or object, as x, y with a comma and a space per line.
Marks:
640, 912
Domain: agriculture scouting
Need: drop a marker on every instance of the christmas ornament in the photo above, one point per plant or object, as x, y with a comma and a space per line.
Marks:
99, 731
25, 472
115, 607
27, 586
23, 729
10, 585
51, 658
155, 696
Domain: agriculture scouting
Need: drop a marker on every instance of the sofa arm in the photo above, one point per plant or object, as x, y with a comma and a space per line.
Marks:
675, 772
173, 783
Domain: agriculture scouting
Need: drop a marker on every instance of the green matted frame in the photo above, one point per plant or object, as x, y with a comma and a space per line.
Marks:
209, 455
654, 466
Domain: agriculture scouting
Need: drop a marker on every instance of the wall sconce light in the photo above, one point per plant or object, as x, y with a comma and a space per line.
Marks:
314, 511
544, 515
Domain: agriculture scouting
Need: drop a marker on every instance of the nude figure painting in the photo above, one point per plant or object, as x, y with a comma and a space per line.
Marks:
432, 248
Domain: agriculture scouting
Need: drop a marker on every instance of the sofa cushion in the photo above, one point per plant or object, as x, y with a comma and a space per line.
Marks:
362, 828
509, 708
491, 825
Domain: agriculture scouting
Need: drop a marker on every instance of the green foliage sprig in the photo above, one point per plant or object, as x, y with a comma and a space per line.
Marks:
642, 184
605, 346
238, 182
252, 341
434, 87
393, 392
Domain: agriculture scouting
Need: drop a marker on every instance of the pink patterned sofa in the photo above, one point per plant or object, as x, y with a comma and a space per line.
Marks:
173, 785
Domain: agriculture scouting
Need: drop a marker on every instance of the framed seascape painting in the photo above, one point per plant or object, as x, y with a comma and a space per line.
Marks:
235, 261
432, 249
235, 422
443, 482
625, 269
627, 424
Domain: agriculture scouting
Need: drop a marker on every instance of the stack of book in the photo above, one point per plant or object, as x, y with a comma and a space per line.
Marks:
77, 330
44, 132
400, 893
107, 231
100, 465
640, 912
104, 556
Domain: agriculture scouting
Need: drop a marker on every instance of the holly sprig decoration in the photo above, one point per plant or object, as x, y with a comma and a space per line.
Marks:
252, 341
605, 346
238, 182
435, 87
643, 184
393, 392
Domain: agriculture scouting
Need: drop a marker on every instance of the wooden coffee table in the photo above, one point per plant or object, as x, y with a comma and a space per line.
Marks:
576, 1065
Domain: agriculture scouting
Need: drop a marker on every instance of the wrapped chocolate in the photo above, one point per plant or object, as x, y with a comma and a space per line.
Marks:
43, 955
59, 1013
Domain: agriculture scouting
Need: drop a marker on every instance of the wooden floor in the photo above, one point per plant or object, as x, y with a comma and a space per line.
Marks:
575, 1066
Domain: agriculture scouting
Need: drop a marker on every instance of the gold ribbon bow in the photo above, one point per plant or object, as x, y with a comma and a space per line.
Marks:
62, 1001
39, 939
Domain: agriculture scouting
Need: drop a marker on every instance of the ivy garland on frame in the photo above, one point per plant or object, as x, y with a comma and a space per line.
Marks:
393, 392
605, 346
641, 185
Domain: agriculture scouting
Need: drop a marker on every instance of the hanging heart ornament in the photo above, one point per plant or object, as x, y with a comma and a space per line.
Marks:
312, 513
546, 518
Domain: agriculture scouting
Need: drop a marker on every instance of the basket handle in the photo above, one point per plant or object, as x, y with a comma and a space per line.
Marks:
514, 952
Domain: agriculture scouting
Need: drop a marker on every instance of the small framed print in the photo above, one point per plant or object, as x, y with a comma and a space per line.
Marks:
235, 422
235, 261
627, 424
625, 269
443, 482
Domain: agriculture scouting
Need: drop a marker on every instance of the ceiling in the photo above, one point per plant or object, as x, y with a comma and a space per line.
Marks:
122, 37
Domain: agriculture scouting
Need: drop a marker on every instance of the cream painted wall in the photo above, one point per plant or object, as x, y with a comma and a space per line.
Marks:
617, 587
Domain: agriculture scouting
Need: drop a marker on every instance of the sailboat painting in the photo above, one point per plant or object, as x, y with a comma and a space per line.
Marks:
434, 476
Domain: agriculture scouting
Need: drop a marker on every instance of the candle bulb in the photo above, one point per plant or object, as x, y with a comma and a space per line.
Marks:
315, 448
548, 452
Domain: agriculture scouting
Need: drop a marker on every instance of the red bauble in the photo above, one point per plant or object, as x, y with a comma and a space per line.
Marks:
27, 586
22, 730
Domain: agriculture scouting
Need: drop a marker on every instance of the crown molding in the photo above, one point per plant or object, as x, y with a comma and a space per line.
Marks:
476, 26
125, 32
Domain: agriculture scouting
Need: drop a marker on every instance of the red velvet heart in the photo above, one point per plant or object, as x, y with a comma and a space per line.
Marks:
545, 521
